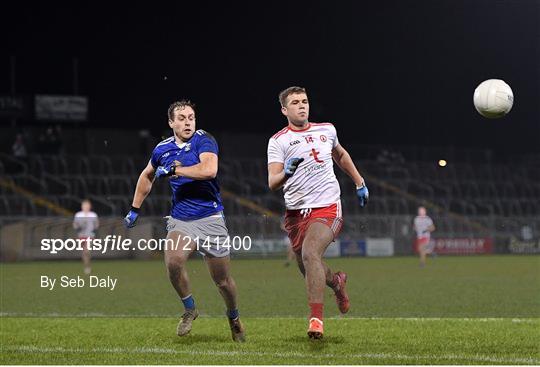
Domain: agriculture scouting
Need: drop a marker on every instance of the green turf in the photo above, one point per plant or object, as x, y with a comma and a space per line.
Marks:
136, 322
270, 341
481, 286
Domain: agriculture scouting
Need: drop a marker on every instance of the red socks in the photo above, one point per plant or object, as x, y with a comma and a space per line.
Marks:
316, 310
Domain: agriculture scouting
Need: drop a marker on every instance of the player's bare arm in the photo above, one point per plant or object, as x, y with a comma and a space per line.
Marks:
276, 176
278, 179
345, 162
205, 170
144, 185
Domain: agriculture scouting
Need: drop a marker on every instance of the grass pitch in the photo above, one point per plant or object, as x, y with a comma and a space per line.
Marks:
457, 310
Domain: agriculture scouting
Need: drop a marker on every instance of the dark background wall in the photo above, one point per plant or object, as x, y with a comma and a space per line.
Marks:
386, 72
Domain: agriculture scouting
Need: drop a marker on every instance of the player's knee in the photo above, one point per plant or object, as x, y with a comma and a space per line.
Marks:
309, 256
176, 260
223, 283
175, 264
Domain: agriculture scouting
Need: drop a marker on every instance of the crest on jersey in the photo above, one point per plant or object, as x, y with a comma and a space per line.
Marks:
324, 138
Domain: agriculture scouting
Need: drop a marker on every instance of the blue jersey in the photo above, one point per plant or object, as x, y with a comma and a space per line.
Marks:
191, 199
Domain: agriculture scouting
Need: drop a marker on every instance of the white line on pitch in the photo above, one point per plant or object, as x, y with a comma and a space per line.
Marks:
375, 318
153, 350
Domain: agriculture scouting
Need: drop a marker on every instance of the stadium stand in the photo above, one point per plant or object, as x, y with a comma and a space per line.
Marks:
463, 189
472, 196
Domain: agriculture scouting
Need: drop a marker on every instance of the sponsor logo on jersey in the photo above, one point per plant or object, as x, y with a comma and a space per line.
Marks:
308, 171
294, 142
323, 138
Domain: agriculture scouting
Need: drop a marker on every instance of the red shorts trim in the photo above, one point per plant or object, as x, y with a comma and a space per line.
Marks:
420, 241
87, 242
298, 221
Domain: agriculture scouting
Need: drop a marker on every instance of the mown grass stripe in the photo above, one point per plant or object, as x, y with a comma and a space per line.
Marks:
381, 356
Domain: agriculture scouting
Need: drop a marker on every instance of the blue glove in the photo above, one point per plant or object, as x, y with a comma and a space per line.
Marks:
292, 165
131, 217
363, 195
163, 171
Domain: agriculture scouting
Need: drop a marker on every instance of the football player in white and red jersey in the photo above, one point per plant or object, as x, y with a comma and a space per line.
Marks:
300, 160
423, 226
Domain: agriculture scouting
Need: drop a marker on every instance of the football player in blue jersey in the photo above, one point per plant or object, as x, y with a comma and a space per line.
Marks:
190, 160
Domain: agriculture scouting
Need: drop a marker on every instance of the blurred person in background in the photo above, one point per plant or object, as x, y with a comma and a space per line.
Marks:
85, 223
50, 142
423, 226
18, 148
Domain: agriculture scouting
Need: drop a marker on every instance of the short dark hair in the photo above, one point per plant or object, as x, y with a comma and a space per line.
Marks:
182, 103
287, 92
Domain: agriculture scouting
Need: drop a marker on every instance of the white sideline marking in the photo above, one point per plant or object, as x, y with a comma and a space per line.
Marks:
155, 350
375, 318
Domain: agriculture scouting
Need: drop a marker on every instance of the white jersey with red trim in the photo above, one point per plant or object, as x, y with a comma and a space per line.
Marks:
314, 184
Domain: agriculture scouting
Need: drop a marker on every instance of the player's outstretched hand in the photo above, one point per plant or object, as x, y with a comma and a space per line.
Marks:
363, 195
131, 217
163, 171
292, 165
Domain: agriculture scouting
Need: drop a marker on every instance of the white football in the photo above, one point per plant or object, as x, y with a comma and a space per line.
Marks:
493, 98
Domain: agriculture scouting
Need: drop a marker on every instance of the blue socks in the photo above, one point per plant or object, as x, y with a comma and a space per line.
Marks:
189, 302
233, 314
